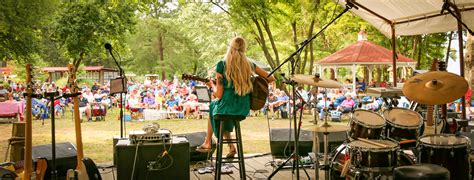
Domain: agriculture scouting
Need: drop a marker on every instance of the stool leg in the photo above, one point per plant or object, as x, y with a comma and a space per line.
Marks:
218, 167
240, 150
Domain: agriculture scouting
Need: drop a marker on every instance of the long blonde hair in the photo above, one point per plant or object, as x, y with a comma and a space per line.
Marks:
238, 68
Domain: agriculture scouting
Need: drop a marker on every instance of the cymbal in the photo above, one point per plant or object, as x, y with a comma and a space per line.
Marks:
326, 128
311, 80
435, 87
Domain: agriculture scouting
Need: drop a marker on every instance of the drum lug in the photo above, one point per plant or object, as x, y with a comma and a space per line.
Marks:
358, 158
431, 152
452, 153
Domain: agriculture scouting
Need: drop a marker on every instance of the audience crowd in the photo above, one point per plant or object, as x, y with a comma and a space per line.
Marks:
178, 99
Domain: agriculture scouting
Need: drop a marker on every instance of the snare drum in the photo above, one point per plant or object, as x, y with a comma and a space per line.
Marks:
447, 150
342, 155
366, 124
367, 156
402, 124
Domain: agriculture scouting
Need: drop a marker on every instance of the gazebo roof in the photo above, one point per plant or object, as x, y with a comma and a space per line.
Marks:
363, 52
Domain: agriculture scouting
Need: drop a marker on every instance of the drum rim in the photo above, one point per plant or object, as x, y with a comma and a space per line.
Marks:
387, 149
365, 124
402, 126
421, 143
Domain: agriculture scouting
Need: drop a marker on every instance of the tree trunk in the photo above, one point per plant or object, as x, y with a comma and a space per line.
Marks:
270, 38
162, 59
261, 40
311, 55
469, 60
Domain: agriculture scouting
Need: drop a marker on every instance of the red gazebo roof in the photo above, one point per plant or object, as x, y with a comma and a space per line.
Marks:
363, 52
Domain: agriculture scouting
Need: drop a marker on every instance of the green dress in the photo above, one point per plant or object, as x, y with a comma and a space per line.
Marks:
230, 103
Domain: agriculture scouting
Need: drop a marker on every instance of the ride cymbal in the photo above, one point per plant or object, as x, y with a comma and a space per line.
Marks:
326, 128
314, 81
435, 87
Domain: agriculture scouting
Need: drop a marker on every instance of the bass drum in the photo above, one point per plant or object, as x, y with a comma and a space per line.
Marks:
447, 150
341, 155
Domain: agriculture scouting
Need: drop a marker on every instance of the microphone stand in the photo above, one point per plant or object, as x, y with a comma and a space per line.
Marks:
295, 154
121, 75
51, 96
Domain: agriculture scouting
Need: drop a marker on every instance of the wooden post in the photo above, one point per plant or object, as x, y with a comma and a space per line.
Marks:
394, 55
461, 57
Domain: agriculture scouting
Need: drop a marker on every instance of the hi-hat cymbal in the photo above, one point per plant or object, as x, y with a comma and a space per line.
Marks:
435, 87
313, 81
326, 128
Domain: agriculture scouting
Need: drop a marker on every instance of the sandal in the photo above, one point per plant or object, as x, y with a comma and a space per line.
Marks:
203, 150
231, 154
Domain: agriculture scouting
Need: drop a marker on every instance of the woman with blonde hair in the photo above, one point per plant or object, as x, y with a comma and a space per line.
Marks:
231, 91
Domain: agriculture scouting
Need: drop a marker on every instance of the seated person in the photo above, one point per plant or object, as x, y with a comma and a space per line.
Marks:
172, 105
280, 104
191, 105
346, 105
323, 105
135, 105
3, 93
149, 101
84, 107
39, 109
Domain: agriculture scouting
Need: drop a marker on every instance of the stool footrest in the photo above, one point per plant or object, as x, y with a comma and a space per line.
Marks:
228, 141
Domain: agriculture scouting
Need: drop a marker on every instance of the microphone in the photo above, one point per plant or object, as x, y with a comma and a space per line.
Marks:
108, 46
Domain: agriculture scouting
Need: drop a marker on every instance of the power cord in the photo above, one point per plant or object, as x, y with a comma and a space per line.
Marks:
135, 161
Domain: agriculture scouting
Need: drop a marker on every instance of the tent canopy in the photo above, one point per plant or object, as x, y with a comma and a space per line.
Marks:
364, 52
412, 17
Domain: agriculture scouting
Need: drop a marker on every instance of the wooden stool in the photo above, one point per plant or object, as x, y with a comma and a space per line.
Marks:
421, 171
221, 141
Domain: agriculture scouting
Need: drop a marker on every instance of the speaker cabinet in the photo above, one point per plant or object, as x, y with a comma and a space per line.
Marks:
282, 142
195, 140
149, 162
114, 143
66, 158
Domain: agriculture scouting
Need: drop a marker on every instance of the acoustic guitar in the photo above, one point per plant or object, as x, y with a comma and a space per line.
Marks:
258, 96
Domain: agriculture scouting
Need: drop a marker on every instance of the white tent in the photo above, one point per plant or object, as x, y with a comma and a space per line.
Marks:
412, 17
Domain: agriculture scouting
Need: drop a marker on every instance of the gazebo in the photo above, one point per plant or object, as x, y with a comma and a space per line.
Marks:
366, 54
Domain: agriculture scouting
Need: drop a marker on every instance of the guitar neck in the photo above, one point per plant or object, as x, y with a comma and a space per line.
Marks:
77, 119
28, 168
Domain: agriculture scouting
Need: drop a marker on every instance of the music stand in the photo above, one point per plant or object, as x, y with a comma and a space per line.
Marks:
203, 94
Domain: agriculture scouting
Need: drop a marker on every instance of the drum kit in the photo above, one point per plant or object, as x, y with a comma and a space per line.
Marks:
379, 142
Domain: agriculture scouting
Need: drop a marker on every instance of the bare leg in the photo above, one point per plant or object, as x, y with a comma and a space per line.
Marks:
231, 146
208, 140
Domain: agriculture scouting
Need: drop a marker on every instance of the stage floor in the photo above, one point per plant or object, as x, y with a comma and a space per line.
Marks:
257, 167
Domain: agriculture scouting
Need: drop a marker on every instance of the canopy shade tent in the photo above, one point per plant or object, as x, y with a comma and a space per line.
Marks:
412, 17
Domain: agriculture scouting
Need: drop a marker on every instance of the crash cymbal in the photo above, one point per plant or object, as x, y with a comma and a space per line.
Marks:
313, 81
435, 87
326, 128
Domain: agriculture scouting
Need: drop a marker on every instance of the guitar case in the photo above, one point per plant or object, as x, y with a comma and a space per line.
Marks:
91, 168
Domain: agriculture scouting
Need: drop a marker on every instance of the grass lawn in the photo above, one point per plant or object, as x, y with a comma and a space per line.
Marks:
97, 136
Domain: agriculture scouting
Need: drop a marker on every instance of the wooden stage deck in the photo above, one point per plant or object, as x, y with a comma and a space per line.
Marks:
257, 167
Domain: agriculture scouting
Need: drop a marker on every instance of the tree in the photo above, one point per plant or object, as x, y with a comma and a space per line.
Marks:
21, 26
83, 29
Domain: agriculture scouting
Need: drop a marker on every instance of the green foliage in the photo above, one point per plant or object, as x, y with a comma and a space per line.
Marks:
21, 25
83, 28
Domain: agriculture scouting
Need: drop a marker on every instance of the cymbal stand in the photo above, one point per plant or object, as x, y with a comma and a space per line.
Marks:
297, 126
349, 6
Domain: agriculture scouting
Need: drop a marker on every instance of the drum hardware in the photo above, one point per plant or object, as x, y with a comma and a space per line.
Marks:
325, 129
